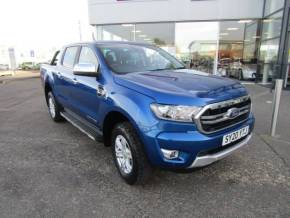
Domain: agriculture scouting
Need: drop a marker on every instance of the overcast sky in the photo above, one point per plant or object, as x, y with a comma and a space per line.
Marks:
33, 24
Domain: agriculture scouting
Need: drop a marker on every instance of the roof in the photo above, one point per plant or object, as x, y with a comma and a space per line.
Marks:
107, 42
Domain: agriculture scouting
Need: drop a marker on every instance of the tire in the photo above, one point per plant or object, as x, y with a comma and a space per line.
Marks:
254, 76
241, 76
125, 142
54, 108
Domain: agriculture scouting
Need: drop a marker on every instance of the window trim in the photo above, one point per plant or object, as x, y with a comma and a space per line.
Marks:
273, 12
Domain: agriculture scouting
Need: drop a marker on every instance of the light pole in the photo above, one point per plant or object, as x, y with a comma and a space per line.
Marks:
276, 105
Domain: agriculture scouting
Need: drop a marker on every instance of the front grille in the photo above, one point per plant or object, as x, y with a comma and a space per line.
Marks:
216, 116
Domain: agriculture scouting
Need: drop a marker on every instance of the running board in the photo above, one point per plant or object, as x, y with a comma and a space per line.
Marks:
84, 126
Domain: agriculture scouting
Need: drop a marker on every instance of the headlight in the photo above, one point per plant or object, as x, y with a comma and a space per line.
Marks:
175, 112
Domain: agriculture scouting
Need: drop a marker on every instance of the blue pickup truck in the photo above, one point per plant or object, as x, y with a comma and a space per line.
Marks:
147, 106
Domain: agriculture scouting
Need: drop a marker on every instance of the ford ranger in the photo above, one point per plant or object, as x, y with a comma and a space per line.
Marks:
147, 106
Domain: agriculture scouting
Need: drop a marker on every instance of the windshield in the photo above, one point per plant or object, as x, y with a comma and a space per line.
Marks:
128, 58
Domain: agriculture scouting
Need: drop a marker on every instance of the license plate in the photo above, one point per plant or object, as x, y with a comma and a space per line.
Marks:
234, 136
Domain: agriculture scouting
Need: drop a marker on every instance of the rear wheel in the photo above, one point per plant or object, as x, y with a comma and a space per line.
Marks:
129, 156
53, 108
254, 76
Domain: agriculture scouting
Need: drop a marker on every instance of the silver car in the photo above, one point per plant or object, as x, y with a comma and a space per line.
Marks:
242, 71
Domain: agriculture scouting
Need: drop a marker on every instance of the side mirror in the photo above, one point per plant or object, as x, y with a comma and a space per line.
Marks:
86, 69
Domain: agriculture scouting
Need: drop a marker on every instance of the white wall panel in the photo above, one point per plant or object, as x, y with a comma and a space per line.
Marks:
113, 11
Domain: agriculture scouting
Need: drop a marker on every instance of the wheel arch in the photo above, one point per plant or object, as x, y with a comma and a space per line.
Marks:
47, 89
111, 119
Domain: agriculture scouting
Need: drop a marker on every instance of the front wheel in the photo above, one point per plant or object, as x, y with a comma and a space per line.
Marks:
53, 108
129, 155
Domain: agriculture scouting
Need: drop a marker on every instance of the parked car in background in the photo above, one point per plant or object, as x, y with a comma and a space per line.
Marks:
242, 71
4, 67
223, 66
29, 66
147, 106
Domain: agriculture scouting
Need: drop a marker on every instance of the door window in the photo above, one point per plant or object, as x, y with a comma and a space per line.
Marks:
69, 57
87, 56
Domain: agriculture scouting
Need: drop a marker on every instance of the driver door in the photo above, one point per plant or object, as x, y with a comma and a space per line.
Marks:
84, 94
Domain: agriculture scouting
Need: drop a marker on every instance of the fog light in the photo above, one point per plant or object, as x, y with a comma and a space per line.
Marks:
170, 154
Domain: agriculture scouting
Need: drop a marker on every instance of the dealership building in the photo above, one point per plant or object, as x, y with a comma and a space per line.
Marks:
246, 39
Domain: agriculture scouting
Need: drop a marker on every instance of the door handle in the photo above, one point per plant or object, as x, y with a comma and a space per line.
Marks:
59, 75
75, 81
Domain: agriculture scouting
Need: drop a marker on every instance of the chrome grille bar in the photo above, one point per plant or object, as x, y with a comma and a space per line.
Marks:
212, 117
222, 119
208, 120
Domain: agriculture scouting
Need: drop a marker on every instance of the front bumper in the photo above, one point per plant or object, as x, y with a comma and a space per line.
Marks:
205, 160
192, 145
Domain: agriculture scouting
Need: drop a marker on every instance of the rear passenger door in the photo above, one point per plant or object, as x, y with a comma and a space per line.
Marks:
84, 94
65, 77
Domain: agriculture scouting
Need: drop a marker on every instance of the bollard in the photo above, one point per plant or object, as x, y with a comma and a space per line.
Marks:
276, 105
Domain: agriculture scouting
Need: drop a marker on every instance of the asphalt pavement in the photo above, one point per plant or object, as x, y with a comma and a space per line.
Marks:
54, 170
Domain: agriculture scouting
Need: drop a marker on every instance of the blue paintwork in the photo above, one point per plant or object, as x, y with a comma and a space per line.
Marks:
131, 95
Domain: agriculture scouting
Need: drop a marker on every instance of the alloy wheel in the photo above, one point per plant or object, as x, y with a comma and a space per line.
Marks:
51, 107
123, 154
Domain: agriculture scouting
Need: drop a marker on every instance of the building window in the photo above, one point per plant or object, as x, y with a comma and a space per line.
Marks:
268, 58
269, 51
226, 48
272, 6
272, 26
251, 32
270, 40
237, 49
231, 40
160, 34
196, 44
124, 32
249, 54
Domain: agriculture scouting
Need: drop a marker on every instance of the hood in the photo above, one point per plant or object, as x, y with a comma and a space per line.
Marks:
184, 86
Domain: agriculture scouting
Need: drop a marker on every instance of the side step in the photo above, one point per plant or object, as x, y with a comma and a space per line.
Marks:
84, 126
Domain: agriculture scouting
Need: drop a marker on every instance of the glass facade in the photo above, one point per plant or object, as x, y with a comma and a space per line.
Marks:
272, 26
270, 41
272, 6
254, 49
241, 49
196, 44
251, 41
225, 48
269, 51
123, 32
161, 34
